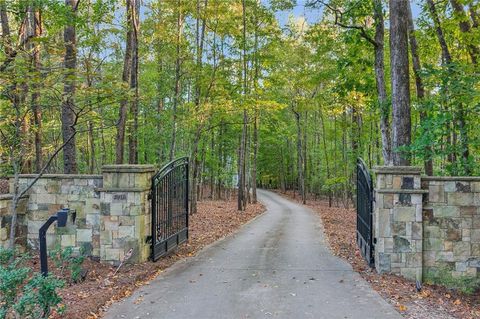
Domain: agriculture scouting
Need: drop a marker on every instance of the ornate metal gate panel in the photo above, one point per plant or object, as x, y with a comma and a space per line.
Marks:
169, 197
365, 212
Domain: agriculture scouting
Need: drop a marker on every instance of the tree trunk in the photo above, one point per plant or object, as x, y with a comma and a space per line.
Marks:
133, 134
7, 42
176, 99
126, 78
255, 115
305, 157
91, 139
446, 57
243, 142
380, 81
417, 67
400, 80
255, 152
327, 165
35, 26
68, 104
200, 36
301, 179
248, 180
241, 163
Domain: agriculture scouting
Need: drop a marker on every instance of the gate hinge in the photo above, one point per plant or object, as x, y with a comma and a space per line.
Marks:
149, 196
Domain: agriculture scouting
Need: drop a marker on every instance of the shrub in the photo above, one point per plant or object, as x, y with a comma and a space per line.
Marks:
40, 296
23, 293
67, 259
12, 278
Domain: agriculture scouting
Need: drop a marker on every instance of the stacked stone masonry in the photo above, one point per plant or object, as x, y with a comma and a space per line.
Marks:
112, 212
125, 220
5, 221
398, 221
54, 192
423, 225
451, 217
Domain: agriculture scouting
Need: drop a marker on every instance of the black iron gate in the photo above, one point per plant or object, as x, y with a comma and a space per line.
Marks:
365, 212
169, 207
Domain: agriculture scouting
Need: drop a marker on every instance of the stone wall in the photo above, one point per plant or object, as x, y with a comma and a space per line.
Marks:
6, 217
53, 192
425, 226
112, 212
451, 217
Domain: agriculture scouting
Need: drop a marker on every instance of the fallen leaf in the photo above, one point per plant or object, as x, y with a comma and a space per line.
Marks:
402, 308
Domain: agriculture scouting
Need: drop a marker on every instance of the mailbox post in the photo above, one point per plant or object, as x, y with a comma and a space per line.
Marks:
61, 218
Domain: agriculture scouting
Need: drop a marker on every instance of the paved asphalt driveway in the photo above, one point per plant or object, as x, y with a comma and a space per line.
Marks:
277, 266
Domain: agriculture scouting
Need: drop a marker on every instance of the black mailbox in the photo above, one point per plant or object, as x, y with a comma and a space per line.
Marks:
61, 217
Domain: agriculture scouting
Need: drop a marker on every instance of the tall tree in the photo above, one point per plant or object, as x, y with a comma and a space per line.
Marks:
446, 56
401, 120
68, 103
379, 44
35, 29
300, 157
127, 80
243, 141
199, 47
255, 115
178, 71
133, 130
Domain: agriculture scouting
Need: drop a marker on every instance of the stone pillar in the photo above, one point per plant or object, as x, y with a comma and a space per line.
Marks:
125, 221
398, 221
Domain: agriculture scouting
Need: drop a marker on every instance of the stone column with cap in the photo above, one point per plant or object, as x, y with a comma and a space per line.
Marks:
125, 220
398, 221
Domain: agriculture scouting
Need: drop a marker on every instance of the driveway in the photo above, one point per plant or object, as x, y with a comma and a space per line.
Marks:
277, 266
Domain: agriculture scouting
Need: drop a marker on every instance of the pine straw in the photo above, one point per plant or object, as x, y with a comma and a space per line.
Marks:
89, 299
432, 302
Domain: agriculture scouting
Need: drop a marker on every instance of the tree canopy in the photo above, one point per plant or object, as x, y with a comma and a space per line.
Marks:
250, 100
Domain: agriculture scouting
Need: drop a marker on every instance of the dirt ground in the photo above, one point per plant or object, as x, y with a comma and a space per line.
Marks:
214, 220
432, 302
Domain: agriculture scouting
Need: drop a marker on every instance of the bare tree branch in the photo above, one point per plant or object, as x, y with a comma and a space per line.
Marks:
338, 21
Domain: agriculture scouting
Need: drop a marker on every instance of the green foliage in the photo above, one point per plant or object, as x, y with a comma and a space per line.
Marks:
450, 115
12, 277
67, 259
333, 185
23, 293
322, 70
443, 276
40, 296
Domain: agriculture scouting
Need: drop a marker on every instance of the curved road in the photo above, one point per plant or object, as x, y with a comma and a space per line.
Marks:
277, 266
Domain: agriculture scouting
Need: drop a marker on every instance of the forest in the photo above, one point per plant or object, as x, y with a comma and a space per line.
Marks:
251, 100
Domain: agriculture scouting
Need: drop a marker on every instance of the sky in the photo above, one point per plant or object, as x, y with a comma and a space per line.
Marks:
313, 15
